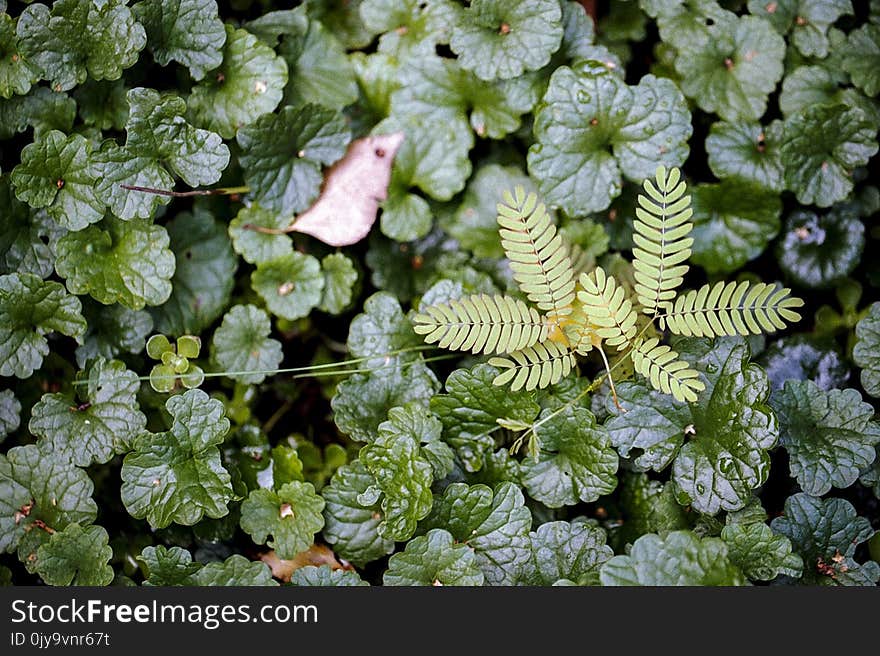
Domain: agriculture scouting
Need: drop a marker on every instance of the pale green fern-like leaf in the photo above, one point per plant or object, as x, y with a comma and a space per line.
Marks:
481, 324
535, 367
660, 365
730, 308
661, 242
539, 258
608, 309
580, 332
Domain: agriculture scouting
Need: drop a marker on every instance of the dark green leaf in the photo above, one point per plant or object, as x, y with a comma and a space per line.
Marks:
282, 155
733, 223
56, 172
747, 151
564, 552
829, 436
340, 278
167, 567
434, 559
234, 571
112, 330
718, 444
29, 309
291, 516
760, 553
255, 246
16, 73
115, 261
351, 527
806, 21
242, 344
866, 353
503, 38
821, 147
494, 524
681, 558
588, 111
324, 576
820, 251
176, 476
291, 285
79, 38
159, 142
40, 489
409, 28
24, 235
76, 556
576, 461
101, 420
203, 276
861, 58
826, 532
248, 84
186, 31
471, 409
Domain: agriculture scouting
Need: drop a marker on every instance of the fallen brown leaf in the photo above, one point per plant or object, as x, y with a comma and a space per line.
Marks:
317, 555
353, 188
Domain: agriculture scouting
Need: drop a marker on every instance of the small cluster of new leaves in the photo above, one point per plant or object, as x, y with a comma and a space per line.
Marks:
175, 367
594, 310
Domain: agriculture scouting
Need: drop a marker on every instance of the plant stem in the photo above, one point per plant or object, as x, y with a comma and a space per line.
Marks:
220, 191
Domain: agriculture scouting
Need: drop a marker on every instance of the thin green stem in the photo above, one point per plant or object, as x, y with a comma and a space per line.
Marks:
220, 191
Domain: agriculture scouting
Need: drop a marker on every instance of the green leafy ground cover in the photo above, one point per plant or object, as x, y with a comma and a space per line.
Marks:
185, 400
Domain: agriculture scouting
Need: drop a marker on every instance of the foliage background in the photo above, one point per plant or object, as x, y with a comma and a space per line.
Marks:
770, 108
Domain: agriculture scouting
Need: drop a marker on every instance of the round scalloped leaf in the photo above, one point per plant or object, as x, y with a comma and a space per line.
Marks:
159, 142
826, 532
866, 352
80, 38
326, 576
861, 58
340, 280
649, 507
37, 486
16, 72
434, 559
30, 308
733, 223
565, 552
349, 525
167, 566
494, 524
747, 151
27, 238
56, 172
103, 419
820, 251
10, 411
760, 553
241, 344
588, 111
204, 274
576, 461
718, 445
380, 330
255, 246
291, 516
102, 105
319, 69
409, 28
234, 571
820, 149
472, 410
806, 21
343, 18
680, 558
177, 476
248, 84
807, 86
503, 38
186, 31
291, 285
76, 556
115, 261
829, 435
282, 154
733, 70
